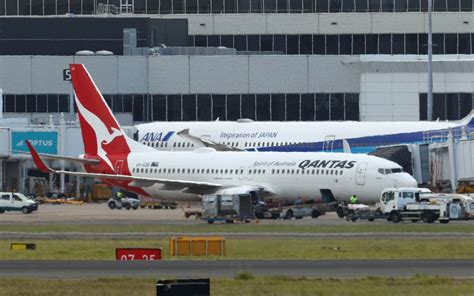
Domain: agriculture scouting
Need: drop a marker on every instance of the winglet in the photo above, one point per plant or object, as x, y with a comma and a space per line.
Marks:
37, 159
346, 147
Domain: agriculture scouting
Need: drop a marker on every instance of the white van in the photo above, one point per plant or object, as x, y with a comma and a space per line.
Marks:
14, 201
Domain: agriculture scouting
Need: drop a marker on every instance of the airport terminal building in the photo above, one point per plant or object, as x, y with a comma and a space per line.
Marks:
277, 60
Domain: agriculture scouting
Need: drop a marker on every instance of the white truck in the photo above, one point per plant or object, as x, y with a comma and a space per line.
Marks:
397, 204
14, 201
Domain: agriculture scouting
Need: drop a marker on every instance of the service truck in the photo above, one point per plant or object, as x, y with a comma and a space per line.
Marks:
397, 204
415, 204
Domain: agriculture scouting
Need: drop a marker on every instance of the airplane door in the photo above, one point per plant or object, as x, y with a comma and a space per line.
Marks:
360, 173
118, 167
328, 144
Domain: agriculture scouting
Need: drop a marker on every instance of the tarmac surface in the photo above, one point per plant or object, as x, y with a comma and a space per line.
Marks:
99, 213
235, 235
230, 268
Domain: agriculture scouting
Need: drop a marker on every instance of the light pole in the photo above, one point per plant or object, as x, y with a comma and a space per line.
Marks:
430, 65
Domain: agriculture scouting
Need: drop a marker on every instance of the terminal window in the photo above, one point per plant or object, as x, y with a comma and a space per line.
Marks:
60, 7
205, 107
346, 44
447, 106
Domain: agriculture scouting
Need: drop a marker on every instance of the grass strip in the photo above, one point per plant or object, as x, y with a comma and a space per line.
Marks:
241, 228
104, 249
248, 285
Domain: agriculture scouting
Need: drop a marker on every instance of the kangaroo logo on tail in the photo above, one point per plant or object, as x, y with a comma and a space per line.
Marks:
101, 133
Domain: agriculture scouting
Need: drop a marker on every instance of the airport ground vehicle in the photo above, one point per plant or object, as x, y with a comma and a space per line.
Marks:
466, 202
126, 202
14, 201
398, 204
414, 204
355, 211
277, 209
227, 208
153, 203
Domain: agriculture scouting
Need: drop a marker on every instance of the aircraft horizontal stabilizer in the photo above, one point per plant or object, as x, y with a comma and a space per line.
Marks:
205, 143
65, 158
135, 181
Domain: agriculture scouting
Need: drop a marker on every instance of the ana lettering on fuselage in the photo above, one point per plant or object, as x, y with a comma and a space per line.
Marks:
156, 136
329, 164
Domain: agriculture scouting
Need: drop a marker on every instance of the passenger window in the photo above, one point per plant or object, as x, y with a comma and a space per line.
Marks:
16, 197
6, 196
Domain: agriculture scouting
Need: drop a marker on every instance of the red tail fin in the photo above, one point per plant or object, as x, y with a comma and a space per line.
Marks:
101, 133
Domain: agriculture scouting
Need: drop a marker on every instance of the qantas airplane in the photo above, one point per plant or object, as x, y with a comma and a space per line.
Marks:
185, 176
361, 137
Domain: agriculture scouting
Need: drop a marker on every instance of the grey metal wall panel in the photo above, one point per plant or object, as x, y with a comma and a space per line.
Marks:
168, 74
75, 146
104, 71
132, 75
219, 74
15, 74
47, 74
285, 74
329, 74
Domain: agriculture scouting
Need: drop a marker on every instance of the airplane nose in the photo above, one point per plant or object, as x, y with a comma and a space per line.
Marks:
406, 180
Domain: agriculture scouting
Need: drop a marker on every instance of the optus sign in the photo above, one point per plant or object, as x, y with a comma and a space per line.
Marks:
131, 254
44, 142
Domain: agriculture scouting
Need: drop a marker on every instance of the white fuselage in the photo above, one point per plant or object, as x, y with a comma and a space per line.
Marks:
319, 136
285, 175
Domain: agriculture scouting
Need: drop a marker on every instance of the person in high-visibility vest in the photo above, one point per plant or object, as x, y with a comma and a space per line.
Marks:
119, 195
354, 199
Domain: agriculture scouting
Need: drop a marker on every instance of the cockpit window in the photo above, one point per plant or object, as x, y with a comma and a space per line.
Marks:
390, 171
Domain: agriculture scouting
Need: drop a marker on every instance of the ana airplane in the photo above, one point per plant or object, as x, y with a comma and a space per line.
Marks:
184, 176
361, 137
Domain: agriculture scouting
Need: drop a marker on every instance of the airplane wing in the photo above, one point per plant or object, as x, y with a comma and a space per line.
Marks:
168, 184
66, 158
206, 143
